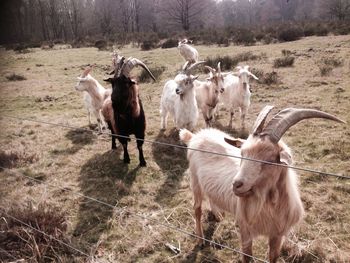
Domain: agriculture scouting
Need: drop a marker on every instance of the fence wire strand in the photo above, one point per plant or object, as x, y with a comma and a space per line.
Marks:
143, 217
43, 233
185, 148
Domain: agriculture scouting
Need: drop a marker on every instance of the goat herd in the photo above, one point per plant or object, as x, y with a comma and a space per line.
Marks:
263, 195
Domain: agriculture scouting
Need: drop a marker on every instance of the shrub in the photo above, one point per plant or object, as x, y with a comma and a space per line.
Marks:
228, 62
321, 30
289, 33
21, 241
170, 43
286, 61
148, 41
244, 36
269, 78
17, 158
325, 70
16, 77
332, 62
156, 71
223, 41
101, 44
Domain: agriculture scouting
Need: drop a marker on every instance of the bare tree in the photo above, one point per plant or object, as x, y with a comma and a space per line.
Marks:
339, 9
184, 12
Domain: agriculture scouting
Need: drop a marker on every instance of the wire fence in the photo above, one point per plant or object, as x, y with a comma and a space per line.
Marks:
143, 217
185, 148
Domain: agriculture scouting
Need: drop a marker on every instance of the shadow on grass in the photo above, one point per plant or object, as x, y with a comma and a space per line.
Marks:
173, 163
79, 138
236, 133
203, 253
106, 178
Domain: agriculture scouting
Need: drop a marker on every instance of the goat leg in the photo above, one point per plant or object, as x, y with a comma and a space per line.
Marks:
141, 157
126, 154
247, 244
275, 244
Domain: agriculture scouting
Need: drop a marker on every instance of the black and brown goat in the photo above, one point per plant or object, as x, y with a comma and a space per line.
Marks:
129, 117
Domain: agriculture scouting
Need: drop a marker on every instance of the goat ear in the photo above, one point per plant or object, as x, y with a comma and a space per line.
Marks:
285, 157
108, 80
81, 79
235, 142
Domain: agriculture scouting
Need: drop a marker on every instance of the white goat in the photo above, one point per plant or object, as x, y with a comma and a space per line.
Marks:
178, 99
264, 198
237, 93
207, 93
94, 96
188, 52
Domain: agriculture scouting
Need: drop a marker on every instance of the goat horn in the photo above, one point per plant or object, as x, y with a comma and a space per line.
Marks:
260, 120
133, 62
286, 118
213, 71
219, 67
191, 67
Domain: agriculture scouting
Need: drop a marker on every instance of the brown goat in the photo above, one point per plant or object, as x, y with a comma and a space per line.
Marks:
264, 198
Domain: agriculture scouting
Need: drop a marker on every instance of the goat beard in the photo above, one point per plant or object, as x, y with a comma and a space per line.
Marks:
250, 207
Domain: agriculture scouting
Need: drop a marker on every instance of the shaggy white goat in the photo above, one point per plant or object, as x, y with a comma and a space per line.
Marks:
94, 95
188, 52
237, 93
178, 99
264, 198
207, 93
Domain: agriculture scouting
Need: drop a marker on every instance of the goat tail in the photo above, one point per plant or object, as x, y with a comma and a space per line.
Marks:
185, 136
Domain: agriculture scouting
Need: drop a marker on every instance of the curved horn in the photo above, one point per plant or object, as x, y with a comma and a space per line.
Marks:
219, 67
286, 118
117, 63
133, 62
260, 120
189, 68
213, 71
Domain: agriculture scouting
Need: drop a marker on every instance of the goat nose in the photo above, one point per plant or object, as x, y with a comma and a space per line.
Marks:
177, 91
237, 184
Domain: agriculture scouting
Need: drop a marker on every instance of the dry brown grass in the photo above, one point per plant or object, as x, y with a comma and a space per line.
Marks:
81, 161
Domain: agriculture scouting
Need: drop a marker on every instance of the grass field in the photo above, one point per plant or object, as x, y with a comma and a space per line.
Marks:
79, 160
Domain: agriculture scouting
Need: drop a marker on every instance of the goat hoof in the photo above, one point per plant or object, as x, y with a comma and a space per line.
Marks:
126, 160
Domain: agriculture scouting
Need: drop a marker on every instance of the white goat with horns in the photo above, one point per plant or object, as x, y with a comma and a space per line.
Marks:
237, 93
263, 197
94, 96
188, 52
207, 92
179, 99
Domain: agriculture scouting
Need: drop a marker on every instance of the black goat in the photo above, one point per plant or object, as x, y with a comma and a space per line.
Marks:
128, 111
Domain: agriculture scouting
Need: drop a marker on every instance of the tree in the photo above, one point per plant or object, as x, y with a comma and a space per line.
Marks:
339, 9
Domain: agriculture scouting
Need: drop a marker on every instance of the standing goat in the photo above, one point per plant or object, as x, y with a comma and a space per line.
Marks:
188, 52
237, 93
94, 96
129, 116
207, 93
263, 197
179, 99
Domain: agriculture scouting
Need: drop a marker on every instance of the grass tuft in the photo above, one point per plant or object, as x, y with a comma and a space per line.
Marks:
14, 158
229, 62
286, 61
22, 241
15, 77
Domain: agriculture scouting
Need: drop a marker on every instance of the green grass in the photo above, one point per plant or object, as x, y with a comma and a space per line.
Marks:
83, 162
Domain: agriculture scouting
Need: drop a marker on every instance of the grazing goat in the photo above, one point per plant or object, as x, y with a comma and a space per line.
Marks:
129, 116
263, 197
178, 99
188, 52
207, 93
237, 93
94, 96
